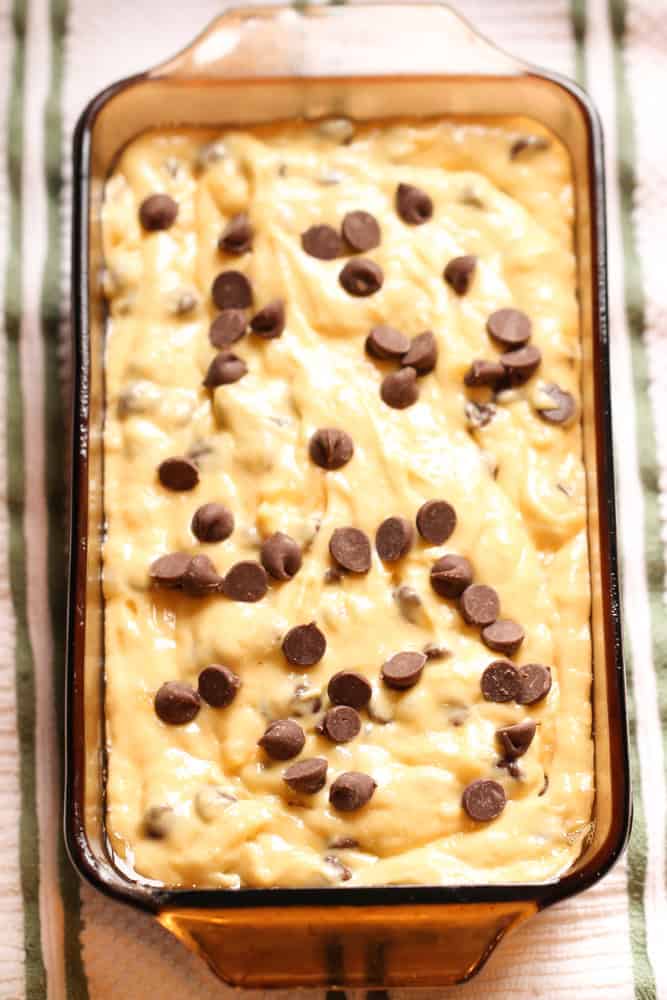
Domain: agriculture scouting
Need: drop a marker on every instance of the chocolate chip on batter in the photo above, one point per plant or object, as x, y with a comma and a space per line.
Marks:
201, 577
413, 205
394, 538
225, 368
237, 235
269, 322
409, 603
516, 739
178, 474
399, 390
167, 571
522, 364
432, 651
562, 406
436, 520
281, 556
484, 799
158, 211
526, 145
228, 327
158, 821
323, 242
479, 605
307, 776
403, 670
351, 790
218, 685
479, 414
304, 645
361, 230
351, 550
176, 703
283, 739
500, 682
332, 575
459, 273
341, 724
212, 522
245, 581
331, 448
361, 277
423, 353
535, 683
510, 327
481, 372
503, 636
451, 575
231, 290
347, 687
387, 343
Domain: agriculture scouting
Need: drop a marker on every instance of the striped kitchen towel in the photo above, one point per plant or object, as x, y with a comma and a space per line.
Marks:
61, 939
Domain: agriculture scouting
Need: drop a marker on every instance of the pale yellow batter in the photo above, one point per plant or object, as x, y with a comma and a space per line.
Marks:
516, 484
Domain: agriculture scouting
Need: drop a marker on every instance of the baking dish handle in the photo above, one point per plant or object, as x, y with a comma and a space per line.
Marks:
334, 41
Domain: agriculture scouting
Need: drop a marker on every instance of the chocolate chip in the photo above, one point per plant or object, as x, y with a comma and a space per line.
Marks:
413, 205
158, 821
332, 575
281, 556
307, 776
522, 364
237, 235
269, 322
304, 645
500, 682
423, 353
167, 571
403, 670
245, 581
361, 277
225, 369
535, 683
228, 327
331, 448
341, 724
323, 242
283, 739
201, 577
479, 414
459, 273
409, 603
212, 522
176, 703
484, 799
218, 686
361, 230
158, 211
482, 372
562, 406
386, 343
479, 605
231, 290
351, 550
178, 474
399, 390
349, 688
516, 739
394, 538
451, 575
503, 636
432, 651
510, 327
526, 145
436, 520
351, 790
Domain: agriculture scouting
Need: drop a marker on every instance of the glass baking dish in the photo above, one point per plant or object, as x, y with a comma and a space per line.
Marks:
276, 63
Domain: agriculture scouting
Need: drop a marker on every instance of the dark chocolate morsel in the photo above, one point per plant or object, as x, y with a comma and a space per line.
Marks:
178, 474
218, 685
394, 538
237, 235
245, 581
500, 682
479, 605
212, 522
522, 364
459, 273
331, 448
231, 290
562, 408
451, 575
403, 670
283, 739
516, 739
158, 211
387, 343
225, 368
484, 799
503, 636
535, 683
307, 776
436, 520
351, 790
351, 550
227, 327
168, 570
201, 577
304, 645
341, 724
399, 389
349, 688
281, 556
361, 277
323, 242
491, 373
361, 230
423, 353
269, 322
176, 703
509, 327
413, 205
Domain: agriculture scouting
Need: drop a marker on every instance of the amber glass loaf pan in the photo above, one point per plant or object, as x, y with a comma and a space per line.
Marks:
264, 64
